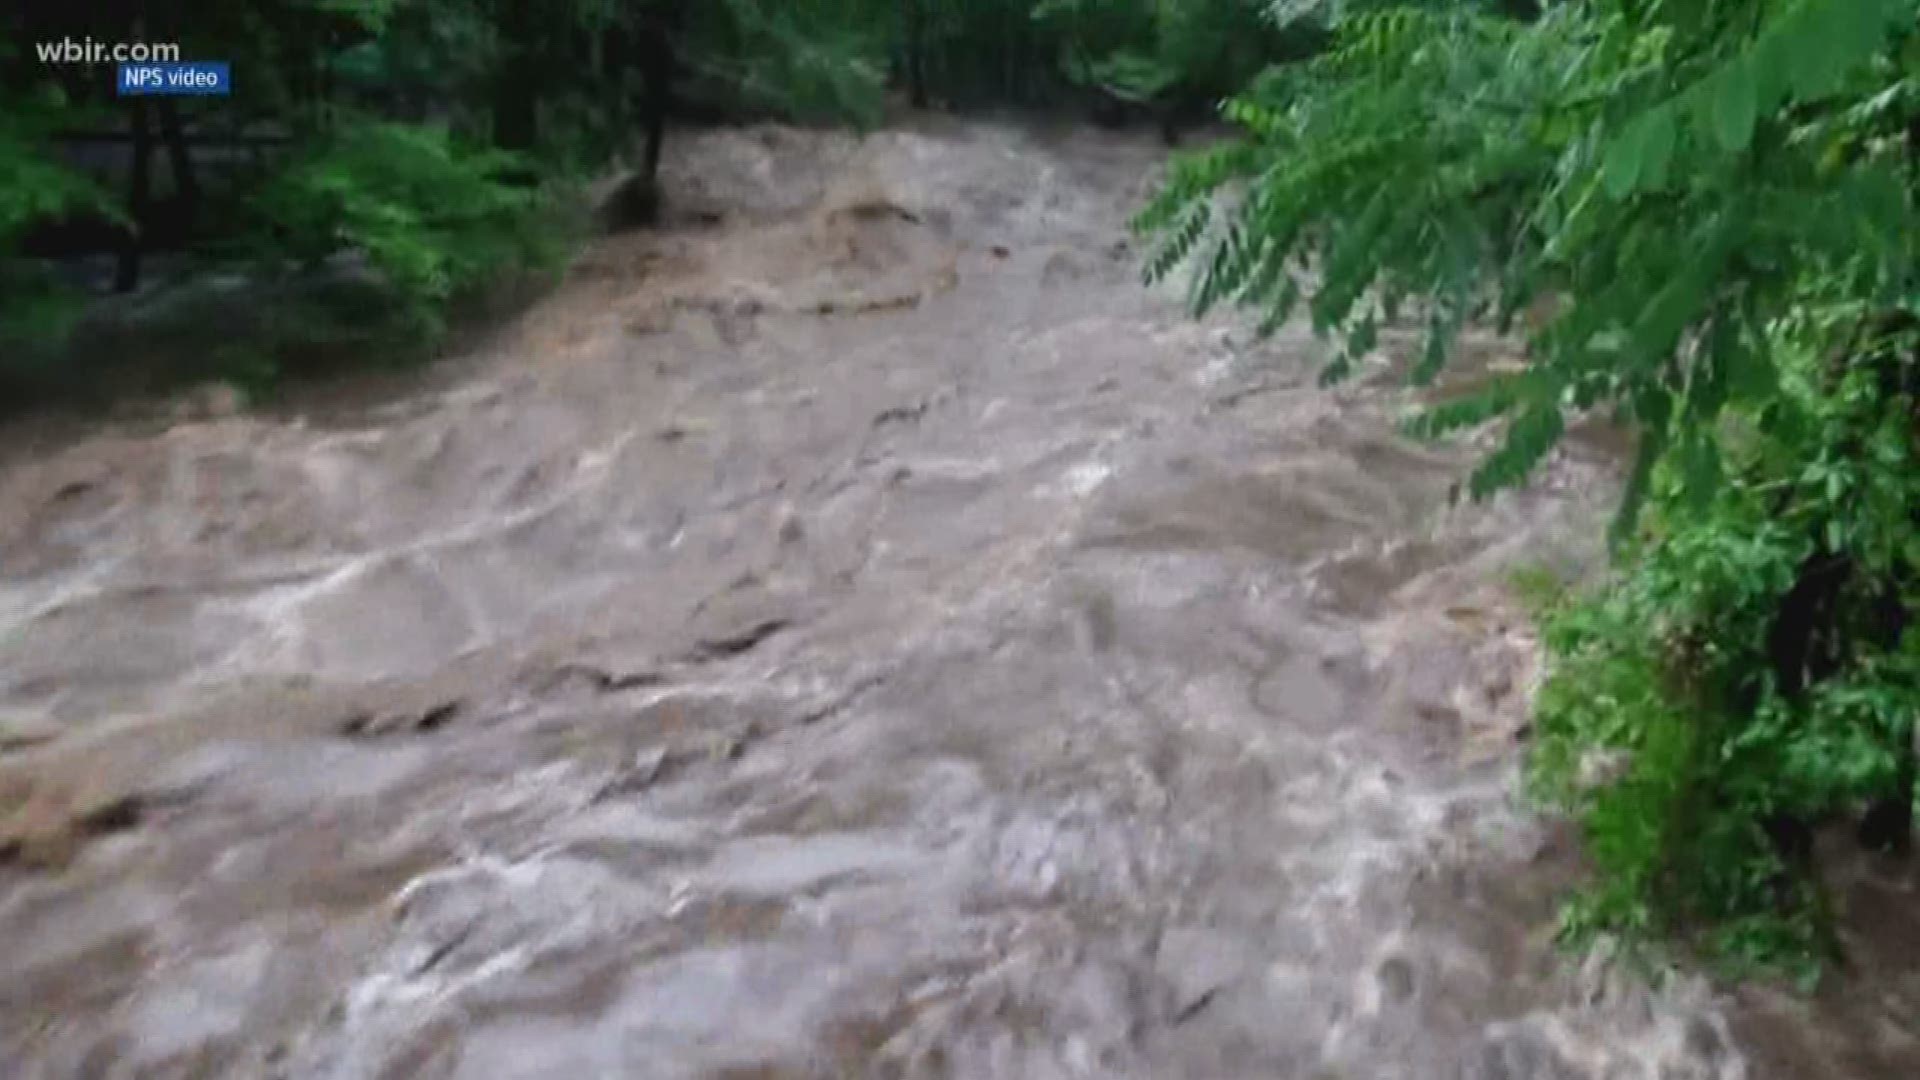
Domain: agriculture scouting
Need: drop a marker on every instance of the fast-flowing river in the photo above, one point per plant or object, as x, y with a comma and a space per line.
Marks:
853, 630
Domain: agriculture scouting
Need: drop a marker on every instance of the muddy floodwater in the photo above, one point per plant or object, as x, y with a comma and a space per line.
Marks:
853, 630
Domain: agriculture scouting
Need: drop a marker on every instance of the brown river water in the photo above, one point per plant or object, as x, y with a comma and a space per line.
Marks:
854, 630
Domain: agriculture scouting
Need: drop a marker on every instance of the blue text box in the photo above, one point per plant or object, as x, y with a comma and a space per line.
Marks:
179, 78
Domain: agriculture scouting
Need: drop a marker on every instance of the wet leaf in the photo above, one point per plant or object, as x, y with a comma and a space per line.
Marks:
1736, 105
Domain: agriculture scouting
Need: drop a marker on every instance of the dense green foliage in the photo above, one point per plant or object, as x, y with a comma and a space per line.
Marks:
1717, 199
33, 186
1757, 666
431, 217
1155, 49
395, 155
424, 147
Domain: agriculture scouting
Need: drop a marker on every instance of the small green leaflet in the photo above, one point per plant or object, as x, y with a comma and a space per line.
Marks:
1620, 173
1700, 472
1735, 105
1824, 39
1640, 157
1657, 142
1816, 52
1751, 375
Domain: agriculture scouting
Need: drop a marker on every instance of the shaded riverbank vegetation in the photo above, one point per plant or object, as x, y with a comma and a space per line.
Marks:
380, 160
1715, 205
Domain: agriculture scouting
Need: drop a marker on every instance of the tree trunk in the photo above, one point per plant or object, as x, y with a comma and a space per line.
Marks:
186, 185
656, 68
126, 276
916, 53
515, 114
516, 117
1169, 121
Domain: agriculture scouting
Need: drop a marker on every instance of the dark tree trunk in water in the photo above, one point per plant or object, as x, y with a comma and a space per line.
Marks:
186, 186
126, 276
656, 59
657, 35
515, 122
515, 99
1169, 119
916, 53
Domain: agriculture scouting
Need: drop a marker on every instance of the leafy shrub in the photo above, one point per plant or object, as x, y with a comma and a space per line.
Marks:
35, 185
1755, 672
807, 59
431, 216
1156, 50
1718, 198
